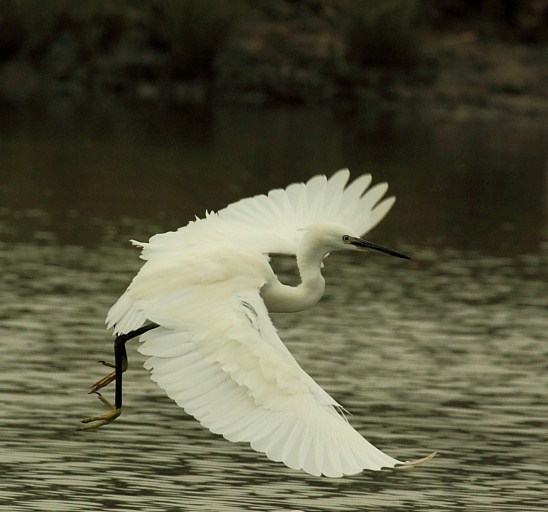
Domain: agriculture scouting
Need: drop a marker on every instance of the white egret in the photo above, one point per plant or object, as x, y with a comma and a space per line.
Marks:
200, 305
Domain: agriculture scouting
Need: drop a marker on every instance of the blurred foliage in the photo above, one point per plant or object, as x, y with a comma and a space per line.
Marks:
381, 32
98, 24
521, 20
193, 31
27, 25
386, 33
378, 32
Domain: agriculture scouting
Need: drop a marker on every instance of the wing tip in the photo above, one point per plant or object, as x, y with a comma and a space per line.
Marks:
410, 464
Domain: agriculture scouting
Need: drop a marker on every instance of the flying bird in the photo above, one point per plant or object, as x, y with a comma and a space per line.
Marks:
200, 305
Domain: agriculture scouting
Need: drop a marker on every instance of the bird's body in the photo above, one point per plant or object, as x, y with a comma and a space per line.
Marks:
207, 289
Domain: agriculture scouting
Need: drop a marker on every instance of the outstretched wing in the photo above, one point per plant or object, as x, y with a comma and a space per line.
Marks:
237, 378
273, 223
217, 354
287, 211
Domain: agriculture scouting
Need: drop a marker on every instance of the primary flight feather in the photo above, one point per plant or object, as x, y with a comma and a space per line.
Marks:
201, 304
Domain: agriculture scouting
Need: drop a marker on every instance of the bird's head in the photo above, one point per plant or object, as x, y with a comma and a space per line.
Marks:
336, 237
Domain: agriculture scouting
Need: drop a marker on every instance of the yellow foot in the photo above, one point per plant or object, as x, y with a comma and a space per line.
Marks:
107, 379
101, 419
101, 383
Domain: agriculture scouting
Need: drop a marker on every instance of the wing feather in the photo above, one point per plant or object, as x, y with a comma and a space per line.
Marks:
289, 452
356, 189
378, 213
315, 196
246, 428
297, 195
285, 211
239, 380
209, 380
369, 199
335, 194
274, 223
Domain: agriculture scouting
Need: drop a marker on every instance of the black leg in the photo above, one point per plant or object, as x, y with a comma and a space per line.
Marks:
120, 366
120, 359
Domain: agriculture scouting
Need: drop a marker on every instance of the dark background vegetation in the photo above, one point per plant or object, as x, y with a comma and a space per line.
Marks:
256, 51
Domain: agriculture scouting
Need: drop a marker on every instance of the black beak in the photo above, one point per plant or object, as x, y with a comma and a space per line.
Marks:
364, 244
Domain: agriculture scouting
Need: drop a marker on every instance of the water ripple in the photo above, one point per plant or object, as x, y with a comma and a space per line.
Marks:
450, 355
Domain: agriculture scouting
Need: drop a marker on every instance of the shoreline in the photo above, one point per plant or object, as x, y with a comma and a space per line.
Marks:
268, 61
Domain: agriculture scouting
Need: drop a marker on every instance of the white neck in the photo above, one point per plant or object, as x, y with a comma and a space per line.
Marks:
281, 298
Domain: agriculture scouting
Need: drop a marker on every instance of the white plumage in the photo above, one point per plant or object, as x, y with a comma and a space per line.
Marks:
215, 350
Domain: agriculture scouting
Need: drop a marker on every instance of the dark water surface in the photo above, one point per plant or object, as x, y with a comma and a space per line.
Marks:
445, 352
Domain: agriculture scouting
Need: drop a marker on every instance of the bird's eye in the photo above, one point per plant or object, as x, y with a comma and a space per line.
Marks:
345, 238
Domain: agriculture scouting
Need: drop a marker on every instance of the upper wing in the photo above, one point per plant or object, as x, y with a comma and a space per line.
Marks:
273, 223
287, 211
238, 379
